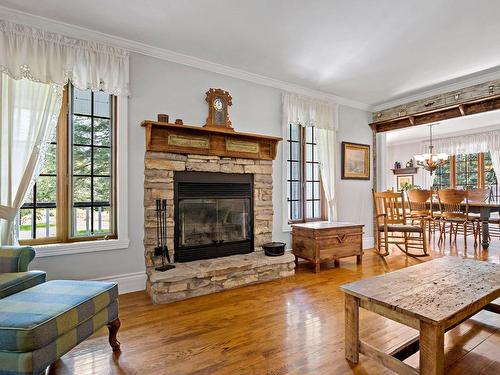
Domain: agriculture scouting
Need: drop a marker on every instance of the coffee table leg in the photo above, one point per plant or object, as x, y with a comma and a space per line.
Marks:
351, 328
431, 349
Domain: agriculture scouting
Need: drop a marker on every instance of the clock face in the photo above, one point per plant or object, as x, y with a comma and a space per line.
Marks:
218, 104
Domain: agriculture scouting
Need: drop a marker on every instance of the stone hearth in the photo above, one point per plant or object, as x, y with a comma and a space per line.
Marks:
212, 275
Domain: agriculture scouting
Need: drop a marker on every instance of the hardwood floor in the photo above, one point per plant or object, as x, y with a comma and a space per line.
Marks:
292, 326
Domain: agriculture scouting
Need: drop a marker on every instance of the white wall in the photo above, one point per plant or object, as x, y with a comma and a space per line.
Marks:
402, 153
159, 86
354, 197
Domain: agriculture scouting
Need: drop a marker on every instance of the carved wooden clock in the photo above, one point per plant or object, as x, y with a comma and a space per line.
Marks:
219, 102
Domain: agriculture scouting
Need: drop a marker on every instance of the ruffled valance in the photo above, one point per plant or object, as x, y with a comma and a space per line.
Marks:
308, 111
466, 144
469, 144
28, 52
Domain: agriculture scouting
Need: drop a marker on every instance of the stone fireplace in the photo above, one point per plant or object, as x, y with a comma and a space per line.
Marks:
213, 215
219, 211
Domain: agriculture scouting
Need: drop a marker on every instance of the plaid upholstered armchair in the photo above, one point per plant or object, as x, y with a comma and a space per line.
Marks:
14, 274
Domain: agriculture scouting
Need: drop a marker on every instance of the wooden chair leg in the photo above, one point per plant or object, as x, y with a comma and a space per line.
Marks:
382, 242
378, 241
386, 239
113, 328
424, 239
465, 235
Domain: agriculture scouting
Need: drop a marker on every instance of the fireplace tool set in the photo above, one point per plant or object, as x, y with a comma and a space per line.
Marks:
161, 248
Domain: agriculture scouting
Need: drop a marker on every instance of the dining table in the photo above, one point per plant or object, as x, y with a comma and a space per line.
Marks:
485, 209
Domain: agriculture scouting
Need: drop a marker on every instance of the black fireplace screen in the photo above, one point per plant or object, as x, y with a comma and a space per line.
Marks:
210, 221
213, 214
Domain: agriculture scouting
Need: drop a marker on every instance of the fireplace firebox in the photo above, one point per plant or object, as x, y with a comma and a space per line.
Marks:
213, 215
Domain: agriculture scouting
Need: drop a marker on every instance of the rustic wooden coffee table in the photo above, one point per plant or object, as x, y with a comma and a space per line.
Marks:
432, 297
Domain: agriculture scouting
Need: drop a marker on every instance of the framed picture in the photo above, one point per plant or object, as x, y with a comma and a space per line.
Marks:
403, 180
355, 161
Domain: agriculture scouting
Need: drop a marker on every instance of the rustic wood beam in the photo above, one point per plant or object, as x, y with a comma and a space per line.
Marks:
444, 113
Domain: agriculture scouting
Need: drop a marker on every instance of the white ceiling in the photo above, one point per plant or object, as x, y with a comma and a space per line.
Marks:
369, 51
479, 123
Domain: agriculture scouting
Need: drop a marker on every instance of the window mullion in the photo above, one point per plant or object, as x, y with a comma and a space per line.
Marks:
63, 214
303, 171
453, 172
480, 171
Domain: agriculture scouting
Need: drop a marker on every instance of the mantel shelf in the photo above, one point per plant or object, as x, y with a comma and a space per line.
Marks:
412, 170
189, 139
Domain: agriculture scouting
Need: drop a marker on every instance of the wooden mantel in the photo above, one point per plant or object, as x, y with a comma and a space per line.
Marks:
189, 139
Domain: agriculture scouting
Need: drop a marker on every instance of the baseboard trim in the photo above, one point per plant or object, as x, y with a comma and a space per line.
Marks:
368, 243
128, 282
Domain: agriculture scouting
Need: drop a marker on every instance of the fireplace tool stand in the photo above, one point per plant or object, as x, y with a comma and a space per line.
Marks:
161, 248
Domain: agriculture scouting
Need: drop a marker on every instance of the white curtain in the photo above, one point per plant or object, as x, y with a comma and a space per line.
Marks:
327, 140
28, 52
28, 116
469, 144
323, 115
35, 65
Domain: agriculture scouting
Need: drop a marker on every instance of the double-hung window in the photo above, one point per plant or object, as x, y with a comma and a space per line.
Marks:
74, 197
467, 171
304, 191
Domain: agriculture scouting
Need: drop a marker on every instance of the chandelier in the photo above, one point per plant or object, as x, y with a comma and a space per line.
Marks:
431, 161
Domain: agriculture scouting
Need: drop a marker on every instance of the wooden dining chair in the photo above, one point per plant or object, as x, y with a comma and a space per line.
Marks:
392, 227
454, 208
421, 208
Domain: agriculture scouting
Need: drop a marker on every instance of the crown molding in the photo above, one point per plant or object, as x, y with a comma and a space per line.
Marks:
472, 80
169, 55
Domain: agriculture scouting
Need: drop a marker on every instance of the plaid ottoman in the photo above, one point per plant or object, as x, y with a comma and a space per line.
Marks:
40, 324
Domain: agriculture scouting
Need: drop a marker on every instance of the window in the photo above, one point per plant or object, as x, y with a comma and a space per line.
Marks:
304, 195
490, 179
73, 198
442, 177
467, 171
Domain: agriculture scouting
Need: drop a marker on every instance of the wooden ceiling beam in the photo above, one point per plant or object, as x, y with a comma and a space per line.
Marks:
427, 117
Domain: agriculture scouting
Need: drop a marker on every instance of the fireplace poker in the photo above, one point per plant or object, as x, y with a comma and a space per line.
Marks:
165, 247
158, 248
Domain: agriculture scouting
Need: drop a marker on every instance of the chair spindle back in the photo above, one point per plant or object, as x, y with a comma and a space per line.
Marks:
391, 204
418, 201
450, 203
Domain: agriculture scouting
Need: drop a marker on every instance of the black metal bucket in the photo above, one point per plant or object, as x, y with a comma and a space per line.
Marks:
274, 249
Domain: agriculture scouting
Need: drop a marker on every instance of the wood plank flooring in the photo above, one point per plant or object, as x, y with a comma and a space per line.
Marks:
287, 327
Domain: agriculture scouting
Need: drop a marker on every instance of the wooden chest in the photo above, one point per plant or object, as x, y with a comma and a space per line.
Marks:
325, 241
